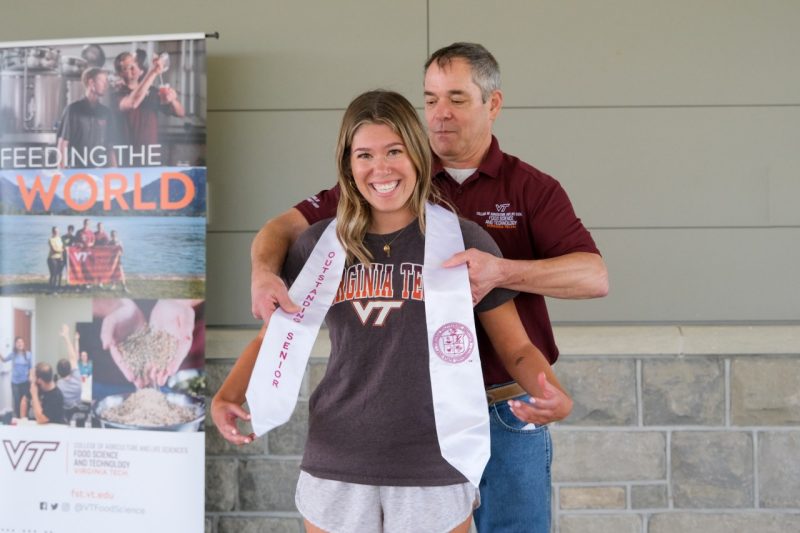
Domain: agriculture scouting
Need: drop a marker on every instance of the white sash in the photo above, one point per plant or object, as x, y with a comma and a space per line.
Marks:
283, 356
459, 400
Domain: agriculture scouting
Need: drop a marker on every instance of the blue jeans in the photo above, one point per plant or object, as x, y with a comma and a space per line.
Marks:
515, 488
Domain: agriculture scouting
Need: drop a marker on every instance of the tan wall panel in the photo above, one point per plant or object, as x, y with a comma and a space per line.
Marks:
632, 52
666, 167
697, 275
261, 164
317, 54
622, 167
228, 279
784, 188
279, 54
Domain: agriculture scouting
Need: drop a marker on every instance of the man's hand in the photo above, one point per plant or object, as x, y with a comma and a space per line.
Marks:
267, 294
484, 271
158, 65
169, 95
226, 416
554, 405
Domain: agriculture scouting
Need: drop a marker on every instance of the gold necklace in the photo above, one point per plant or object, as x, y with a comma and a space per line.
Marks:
387, 246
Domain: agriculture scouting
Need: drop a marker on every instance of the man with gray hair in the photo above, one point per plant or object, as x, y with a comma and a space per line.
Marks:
547, 252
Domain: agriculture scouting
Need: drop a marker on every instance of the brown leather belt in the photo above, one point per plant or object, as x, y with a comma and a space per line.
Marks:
504, 392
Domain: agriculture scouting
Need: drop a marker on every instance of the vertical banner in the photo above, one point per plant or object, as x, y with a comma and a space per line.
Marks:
102, 284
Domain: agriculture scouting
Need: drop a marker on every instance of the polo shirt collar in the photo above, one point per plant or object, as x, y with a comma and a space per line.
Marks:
490, 166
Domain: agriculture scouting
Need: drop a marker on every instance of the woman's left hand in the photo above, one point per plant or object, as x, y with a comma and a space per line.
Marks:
554, 405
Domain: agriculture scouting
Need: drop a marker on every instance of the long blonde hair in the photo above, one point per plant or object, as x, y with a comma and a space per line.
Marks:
353, 213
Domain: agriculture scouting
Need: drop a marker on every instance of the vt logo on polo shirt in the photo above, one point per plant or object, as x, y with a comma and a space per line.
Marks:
502, 217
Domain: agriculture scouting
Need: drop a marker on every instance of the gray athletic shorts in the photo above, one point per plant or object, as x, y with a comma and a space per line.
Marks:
339, 507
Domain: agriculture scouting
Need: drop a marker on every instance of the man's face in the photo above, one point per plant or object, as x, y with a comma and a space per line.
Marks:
459, 121
100, 84
129, 69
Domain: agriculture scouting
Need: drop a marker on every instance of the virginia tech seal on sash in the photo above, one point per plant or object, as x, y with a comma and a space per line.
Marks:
453, 342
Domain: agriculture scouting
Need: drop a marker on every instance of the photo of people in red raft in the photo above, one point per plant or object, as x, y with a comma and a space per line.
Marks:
139, 232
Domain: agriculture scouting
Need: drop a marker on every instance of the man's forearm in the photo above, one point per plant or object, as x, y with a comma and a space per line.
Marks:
178, 109
272, 242
62, 148
71, 351
267, 254
268, 250
38, 412
135, 99
578, 275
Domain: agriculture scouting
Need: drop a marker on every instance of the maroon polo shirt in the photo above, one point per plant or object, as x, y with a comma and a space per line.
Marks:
525, 211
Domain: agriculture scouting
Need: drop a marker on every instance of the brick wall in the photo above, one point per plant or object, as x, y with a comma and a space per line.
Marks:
674, 429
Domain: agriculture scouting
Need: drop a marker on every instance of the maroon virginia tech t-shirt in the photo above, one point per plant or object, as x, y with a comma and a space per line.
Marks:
371, 418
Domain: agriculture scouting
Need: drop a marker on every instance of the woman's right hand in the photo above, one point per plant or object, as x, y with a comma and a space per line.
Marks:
226, 416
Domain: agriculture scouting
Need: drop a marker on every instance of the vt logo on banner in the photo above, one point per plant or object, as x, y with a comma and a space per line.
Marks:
37, 448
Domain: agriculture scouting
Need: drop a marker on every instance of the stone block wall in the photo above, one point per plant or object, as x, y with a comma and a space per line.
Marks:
690, 429
679, 429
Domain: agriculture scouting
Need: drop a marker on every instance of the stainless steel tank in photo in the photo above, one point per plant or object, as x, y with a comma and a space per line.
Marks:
12, 102
13, 59
44, 101
30, 91
12, 90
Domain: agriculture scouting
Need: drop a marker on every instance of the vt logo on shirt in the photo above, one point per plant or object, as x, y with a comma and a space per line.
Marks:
383, 309
503, 217
372, 293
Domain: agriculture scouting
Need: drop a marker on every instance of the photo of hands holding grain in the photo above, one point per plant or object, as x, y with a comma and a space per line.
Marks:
148, 368
104, 363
